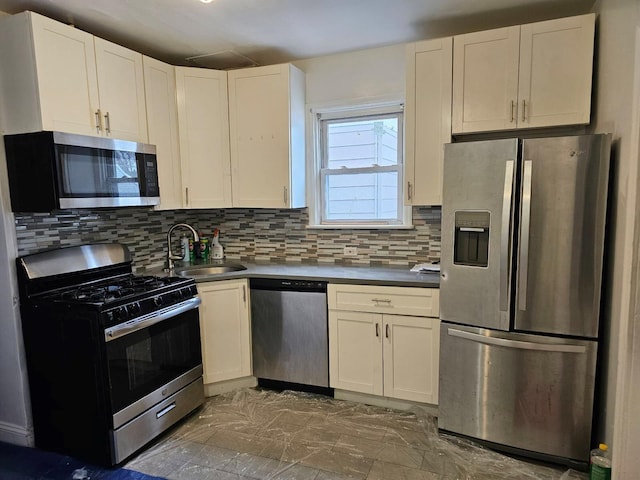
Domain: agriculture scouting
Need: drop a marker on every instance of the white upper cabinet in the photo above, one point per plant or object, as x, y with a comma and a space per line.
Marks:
52, 70
204, 137
485, 80
121, 91
267, 128
535, 75
556, 61
162, 126
427, 118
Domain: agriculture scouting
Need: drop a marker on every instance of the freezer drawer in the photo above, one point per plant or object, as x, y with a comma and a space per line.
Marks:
528, 392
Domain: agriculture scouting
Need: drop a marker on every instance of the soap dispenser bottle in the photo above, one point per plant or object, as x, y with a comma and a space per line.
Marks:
217, 252
184, 244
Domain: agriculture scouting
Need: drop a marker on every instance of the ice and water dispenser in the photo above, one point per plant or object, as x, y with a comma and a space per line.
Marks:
471, 238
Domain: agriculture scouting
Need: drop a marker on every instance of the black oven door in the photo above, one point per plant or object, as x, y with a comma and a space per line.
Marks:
152, 357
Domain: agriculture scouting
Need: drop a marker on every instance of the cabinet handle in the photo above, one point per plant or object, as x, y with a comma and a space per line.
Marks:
513, 106
381, 300
377, 330
107, 123
186, 195
409, 190
386, 330
244, 293
98, 121
285, 196
524, 110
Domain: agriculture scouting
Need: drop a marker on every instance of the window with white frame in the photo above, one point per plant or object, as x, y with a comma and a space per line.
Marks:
360, 162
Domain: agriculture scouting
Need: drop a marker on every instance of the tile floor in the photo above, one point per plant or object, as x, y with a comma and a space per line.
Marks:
261, 434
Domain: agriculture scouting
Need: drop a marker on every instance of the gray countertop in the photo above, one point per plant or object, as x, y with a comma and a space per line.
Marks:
363, 275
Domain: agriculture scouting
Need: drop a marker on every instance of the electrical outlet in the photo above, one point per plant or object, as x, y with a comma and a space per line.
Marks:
351, 251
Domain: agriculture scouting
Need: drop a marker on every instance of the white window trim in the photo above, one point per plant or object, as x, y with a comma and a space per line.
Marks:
317, 113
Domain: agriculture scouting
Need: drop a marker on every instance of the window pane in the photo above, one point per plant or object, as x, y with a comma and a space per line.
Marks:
363, 196
362, 143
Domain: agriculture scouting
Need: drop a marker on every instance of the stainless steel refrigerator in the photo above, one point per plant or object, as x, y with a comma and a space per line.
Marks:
523, 225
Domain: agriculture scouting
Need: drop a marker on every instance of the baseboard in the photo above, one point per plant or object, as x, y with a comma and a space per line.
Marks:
16, 434
385, 402
211, 389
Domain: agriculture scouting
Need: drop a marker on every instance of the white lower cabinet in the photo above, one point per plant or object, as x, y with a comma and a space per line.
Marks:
355, 351
375, 350
225, 330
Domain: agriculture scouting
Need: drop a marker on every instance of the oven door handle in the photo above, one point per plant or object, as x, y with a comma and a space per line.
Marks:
150, 319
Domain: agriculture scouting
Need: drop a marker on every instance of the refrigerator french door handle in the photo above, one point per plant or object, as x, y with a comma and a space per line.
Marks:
504, 235
519, 344
525, 223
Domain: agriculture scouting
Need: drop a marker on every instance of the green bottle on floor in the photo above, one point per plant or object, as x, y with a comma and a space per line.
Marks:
600, 463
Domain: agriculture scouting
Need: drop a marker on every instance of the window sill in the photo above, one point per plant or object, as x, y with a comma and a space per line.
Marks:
373, 226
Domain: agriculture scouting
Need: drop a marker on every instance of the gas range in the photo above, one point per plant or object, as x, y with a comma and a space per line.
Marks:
125, 297
118, 354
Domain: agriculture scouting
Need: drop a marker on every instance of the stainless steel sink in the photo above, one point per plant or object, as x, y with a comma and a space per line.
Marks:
209, 270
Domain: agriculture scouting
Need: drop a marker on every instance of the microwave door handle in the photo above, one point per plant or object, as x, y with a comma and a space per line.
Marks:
504, 235
525, 224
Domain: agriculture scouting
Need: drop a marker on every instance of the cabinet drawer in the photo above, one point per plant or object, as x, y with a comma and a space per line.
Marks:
395, 300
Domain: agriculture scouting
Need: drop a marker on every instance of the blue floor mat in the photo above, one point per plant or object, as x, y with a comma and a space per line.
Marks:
24, 463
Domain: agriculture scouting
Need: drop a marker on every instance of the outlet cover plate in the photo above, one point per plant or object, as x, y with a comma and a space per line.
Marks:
351, 251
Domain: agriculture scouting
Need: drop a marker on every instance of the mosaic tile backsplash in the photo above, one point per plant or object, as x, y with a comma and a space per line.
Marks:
251, 235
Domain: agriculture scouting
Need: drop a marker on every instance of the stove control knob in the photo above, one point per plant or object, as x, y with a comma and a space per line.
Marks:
134, 308
120, 314
158, 301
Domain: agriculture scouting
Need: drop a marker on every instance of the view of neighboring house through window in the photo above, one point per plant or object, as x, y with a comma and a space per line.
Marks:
361, 169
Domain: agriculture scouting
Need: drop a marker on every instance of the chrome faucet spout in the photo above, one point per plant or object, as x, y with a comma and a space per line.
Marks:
171, 257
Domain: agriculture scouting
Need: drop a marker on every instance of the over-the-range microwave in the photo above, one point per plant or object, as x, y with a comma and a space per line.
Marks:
54, 170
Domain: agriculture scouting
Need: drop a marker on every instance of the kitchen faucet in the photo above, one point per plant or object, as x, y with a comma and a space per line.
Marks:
171, 257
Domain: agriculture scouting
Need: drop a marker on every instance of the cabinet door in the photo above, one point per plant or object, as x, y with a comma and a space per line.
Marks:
204, 137
485, 80
162, 125
556, 61
224, 327
121, 89
411, 355
355, 351
264, 157
427, 119
67, 82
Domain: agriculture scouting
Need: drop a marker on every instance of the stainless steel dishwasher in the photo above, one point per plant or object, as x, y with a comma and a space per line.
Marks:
289, 331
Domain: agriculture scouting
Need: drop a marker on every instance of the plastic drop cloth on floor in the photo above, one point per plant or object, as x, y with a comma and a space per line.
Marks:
262, 434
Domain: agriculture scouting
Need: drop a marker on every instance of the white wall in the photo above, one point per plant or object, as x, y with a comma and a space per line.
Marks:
363, 77
15, 412
355, 77
617, 111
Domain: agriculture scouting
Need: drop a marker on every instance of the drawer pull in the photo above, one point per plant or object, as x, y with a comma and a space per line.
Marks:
166, 410
381, 300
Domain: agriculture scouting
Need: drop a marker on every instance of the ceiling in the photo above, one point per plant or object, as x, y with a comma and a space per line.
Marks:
234, 33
